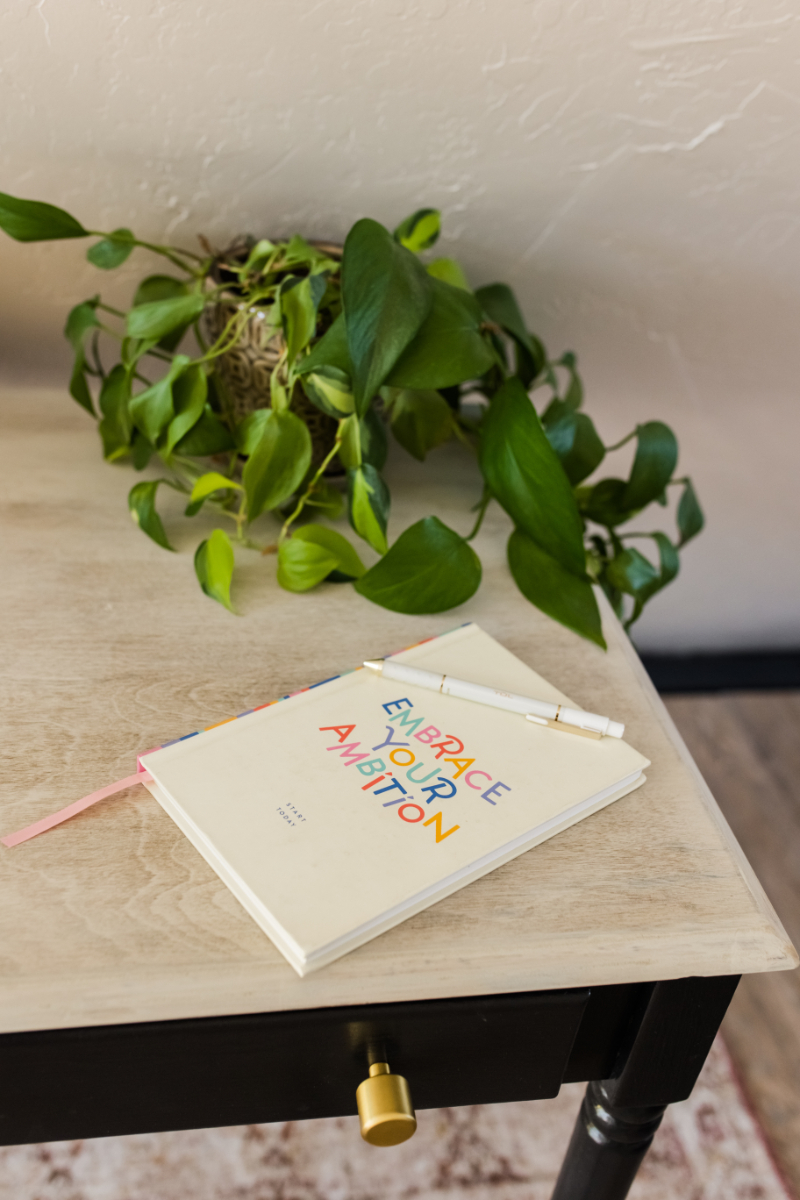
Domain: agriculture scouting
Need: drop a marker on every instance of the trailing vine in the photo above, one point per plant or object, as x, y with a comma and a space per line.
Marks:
351, 343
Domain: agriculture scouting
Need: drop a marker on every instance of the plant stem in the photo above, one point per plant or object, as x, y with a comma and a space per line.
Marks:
235, 324
460, 433
619, 445
485, 500
96, 355
191, 468
241, 517
111, 332
635, 614
170, 252
165, 251
301, 503
114, 311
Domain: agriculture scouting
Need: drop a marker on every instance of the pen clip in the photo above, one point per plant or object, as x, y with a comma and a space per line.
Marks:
588, 733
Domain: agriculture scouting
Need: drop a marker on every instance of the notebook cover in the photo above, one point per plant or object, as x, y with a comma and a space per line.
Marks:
286, 803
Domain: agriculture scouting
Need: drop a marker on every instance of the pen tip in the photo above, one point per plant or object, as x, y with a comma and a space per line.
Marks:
374, 664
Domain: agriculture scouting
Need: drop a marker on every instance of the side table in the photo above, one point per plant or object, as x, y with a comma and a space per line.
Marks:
136, 994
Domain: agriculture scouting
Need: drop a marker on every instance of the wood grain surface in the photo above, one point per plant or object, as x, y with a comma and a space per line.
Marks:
108, 648
748, 747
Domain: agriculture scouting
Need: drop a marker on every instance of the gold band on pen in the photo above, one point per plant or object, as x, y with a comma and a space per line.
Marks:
441, 685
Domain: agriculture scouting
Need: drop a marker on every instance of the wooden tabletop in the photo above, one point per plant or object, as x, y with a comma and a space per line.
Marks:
108, 647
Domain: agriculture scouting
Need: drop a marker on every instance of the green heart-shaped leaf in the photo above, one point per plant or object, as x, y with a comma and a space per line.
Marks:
189, 393
142, 505
669, 562
33, 221
112, 251
302, 565
631, 572
604, 503
330, 389
419, 231
524, 474
386, 295
258, 255
141, 450
363, 440
278, 464
574, 439
209, 436
249, 431
330, 351
327, 500
299, 300
429, 569
420, 421
500, 305
564, 596
160, 317
116, 426
573, 397
368, 505
312, 554
160, 287
449, 270
449, 347
656, 456
372, 433
81, 319
152, 410
213, 565
690, 514
212, 482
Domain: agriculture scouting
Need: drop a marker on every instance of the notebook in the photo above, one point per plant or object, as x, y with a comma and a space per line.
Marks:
342, 810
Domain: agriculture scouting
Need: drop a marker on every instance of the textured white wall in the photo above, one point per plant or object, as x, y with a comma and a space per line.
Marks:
631, 167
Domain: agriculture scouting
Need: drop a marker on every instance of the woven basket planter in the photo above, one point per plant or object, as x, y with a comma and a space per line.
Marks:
247, 368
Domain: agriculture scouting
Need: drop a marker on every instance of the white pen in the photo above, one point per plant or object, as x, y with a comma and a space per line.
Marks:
541, 712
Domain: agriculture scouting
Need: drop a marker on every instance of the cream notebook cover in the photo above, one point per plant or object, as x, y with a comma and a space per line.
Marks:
344, 809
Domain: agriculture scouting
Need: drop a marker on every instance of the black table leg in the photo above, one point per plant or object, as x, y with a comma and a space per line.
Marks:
659, 1066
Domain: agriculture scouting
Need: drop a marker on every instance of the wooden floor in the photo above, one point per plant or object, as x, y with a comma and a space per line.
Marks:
747, 744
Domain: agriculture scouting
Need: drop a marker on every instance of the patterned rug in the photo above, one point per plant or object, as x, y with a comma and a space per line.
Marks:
708, 1148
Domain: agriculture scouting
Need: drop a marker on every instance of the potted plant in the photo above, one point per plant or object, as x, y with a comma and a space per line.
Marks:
305, 354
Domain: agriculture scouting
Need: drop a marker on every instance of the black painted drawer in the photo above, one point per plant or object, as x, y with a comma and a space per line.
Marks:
280, 1066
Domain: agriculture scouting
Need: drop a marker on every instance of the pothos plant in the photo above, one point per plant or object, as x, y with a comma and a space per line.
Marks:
343, 344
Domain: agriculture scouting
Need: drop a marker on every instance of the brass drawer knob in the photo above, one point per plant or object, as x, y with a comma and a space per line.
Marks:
384, 1107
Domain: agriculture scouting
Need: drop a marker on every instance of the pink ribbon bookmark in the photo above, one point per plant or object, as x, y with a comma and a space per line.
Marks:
72, 810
